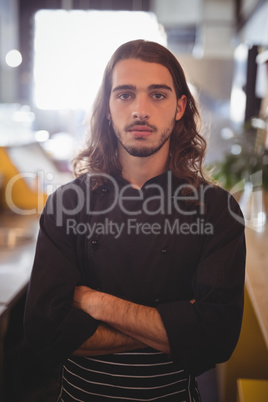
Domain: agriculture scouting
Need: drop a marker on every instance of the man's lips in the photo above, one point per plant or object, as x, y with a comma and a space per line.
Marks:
140, 131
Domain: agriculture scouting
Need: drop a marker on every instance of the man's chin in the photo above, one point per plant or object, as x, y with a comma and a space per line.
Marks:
141, 152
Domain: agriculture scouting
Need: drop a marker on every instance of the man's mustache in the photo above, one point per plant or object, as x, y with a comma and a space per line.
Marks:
140, 123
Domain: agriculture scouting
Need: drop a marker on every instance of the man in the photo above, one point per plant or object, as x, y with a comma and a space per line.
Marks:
137, 284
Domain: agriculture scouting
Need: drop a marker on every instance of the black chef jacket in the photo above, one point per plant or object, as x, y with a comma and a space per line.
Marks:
153, 246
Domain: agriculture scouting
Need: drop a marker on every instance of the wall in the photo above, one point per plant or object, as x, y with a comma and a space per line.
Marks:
8, 41
211, 75
256, 30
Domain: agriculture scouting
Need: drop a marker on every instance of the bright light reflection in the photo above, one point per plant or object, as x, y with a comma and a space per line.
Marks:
236, 149
238, 105
72, 49
241, 52
13, 58
41, 135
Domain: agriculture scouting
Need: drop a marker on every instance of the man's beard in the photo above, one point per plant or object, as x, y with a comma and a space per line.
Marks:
145, 151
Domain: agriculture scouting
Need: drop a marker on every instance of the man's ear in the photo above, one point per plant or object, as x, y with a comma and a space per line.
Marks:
181, 106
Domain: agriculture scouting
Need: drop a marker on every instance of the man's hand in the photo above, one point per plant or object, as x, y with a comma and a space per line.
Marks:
106, 339
137, 321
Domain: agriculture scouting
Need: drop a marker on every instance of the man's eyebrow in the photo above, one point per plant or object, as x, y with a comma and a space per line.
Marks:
160, 86
133, 88
124, 88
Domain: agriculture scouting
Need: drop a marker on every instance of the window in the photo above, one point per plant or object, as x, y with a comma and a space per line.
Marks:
71, 49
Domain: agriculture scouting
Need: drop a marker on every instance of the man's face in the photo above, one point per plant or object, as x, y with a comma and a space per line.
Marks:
143, 107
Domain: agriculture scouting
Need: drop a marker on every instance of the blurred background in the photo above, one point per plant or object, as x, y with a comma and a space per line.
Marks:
52, 56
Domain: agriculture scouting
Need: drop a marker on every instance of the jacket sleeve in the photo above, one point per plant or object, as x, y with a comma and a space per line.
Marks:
206, 332
53, 327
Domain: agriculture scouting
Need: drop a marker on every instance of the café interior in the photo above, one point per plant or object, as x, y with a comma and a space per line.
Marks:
52, 56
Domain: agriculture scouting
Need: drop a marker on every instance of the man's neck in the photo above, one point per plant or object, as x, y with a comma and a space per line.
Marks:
138, 171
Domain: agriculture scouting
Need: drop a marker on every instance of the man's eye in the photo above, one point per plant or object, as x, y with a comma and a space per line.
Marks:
158, 96
124, 96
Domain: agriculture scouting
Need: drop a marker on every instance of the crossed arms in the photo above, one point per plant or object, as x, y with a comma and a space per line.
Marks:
125, 325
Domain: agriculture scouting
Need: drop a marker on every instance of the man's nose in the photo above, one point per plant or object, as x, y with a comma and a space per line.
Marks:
141, 108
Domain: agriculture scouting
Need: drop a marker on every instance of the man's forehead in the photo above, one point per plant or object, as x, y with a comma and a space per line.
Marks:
136, 71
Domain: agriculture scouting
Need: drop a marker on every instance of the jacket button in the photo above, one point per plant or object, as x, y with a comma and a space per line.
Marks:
94, 244
104, 189
157, 299
164, 251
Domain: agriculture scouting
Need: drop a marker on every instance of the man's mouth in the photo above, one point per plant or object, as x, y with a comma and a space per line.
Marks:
140, 130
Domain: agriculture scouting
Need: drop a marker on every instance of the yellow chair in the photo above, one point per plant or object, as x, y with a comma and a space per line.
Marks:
249, 390
249, 360
20, 196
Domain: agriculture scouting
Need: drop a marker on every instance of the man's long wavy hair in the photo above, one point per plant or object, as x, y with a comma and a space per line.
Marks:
187, 146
